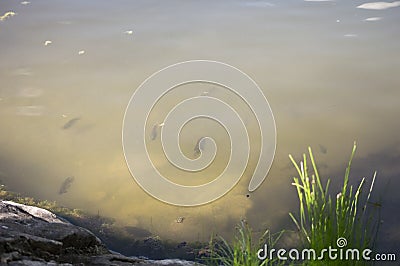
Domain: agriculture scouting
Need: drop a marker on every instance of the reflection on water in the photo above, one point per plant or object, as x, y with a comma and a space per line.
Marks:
7, 15
328, 68
379, 5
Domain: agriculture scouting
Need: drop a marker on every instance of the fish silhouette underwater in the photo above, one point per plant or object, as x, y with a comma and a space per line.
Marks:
66, 184
71, 122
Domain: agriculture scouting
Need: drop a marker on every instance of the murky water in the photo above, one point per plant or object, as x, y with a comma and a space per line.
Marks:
330, 71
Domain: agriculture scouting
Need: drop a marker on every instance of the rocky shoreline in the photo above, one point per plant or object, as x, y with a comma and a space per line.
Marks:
34, 236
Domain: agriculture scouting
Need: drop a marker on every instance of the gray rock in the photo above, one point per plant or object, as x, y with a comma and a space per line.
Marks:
34, 236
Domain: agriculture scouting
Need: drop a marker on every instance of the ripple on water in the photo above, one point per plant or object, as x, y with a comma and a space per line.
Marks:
30, 110
29, 92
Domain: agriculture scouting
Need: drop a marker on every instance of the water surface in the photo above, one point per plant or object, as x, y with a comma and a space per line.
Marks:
329, 70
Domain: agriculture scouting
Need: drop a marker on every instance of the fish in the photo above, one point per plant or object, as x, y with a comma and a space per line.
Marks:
199, 147
153, 134
71, 122
154, 131
66, 185
375, 204
323, 149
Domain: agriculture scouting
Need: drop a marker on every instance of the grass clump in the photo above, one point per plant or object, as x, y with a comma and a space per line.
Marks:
324, 219
243, 250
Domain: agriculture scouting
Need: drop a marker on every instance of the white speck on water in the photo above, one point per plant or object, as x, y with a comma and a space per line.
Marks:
180, 220
373, 19
338, 20
25, 3
129, 32
350, 35
379, 5
47, 42
81, 52
7, 15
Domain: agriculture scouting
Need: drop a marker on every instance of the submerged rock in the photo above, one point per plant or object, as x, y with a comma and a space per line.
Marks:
34, 236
